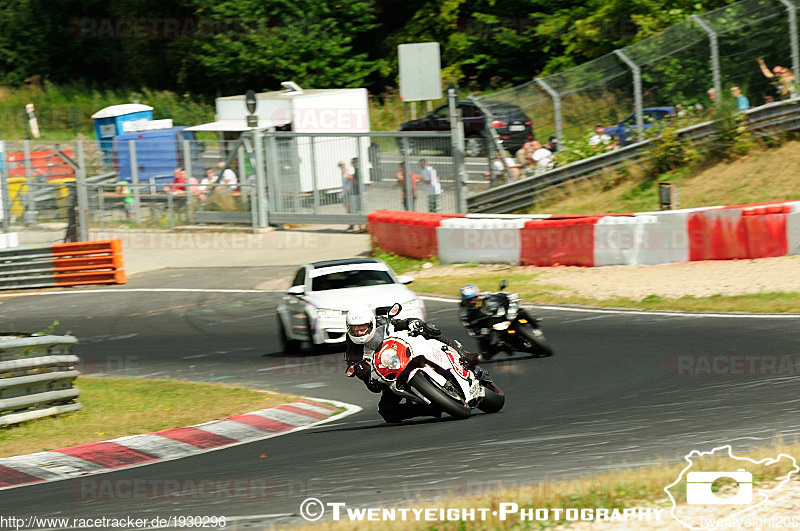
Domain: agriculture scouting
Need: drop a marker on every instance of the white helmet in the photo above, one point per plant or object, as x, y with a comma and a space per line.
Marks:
360, 324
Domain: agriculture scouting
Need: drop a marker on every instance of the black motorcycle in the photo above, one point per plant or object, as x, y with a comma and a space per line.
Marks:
501, 325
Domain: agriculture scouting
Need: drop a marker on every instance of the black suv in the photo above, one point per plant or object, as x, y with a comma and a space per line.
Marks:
512, 125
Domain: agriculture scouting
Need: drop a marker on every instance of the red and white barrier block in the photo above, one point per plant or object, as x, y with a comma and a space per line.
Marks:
480, 240
712, 233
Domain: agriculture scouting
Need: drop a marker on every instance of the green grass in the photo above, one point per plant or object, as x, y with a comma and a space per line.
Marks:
115, 407
403, 264
64, 111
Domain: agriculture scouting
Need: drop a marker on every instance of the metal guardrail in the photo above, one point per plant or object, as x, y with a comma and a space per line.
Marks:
36, 375
511, 197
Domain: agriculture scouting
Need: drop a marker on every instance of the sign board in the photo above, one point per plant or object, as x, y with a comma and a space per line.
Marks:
420, 71
135, 126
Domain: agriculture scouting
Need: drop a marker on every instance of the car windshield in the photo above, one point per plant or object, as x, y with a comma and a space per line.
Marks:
350, 279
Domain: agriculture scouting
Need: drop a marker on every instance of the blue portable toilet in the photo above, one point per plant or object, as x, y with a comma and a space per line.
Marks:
108, 122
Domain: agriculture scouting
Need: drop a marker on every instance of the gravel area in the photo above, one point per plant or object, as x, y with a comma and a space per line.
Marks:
718, 277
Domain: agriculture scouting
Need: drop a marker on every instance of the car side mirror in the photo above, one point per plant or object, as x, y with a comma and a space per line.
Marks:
405, 279
296, 290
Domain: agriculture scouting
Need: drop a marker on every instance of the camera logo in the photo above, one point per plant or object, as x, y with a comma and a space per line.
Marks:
696, 500
698, 488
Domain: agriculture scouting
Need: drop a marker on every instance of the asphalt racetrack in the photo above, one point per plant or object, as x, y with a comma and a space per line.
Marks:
624, 388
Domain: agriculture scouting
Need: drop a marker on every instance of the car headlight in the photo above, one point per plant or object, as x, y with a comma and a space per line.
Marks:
413, 304
389, 359
328, 312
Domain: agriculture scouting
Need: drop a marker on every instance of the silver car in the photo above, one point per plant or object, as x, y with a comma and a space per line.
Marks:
314, 307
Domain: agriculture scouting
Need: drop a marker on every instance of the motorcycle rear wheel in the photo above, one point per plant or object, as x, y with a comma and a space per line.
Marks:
535, 343
440, 398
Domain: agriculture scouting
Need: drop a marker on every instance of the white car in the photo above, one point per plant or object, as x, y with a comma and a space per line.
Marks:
314, 307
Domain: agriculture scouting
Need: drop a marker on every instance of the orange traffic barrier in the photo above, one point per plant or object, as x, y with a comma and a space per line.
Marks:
97, 262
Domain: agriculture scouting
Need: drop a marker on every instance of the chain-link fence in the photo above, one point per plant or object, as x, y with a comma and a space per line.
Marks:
675, 69
61, 191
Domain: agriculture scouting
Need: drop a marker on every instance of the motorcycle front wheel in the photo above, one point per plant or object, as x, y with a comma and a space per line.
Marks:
534, 343
440, 398
493, 399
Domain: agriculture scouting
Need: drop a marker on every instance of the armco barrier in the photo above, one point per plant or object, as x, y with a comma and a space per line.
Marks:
64, 264
480, 240
36, 375
558, 242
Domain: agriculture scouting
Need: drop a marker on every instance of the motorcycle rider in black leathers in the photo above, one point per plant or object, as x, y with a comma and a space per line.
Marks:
365, 335
472, 316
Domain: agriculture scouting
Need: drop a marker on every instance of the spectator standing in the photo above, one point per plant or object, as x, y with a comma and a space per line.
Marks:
433, 187
356, 199
552, 144
123, 188
742, 103
401, 182
347, 192
787, 86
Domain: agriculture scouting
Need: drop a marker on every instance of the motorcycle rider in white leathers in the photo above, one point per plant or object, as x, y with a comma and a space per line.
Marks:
365, 335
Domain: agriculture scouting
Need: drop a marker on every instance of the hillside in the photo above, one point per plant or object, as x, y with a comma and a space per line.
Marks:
765, 175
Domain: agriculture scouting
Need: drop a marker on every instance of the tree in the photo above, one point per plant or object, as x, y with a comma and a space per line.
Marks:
257, 44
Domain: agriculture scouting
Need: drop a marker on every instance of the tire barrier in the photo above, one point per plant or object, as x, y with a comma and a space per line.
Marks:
62, 264
36, 375
642, 238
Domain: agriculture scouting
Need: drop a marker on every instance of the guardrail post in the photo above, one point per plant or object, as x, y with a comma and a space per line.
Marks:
556, 106
27, 200
637, 92
6, 199
792, 10
457, 142
715, 70
101, 205
137, 213
315, 189
410, 199
362, 188
170, 204
83, 196
273, 170
261, 181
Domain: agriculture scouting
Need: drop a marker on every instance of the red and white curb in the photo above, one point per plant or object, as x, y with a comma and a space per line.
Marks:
174, 443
